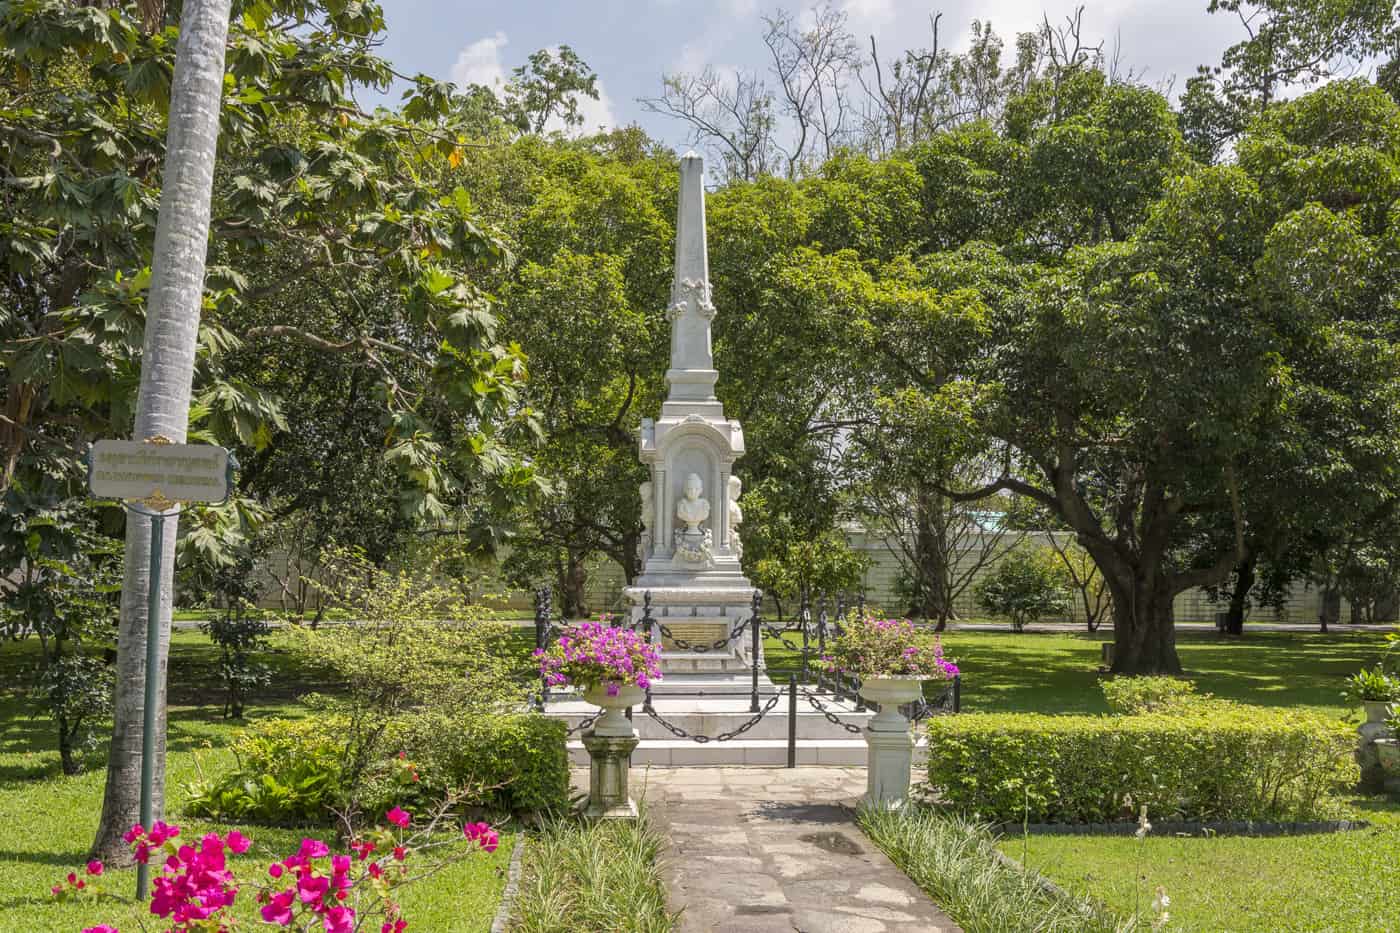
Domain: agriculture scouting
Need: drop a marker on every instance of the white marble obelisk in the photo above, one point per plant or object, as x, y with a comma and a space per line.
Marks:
690, 559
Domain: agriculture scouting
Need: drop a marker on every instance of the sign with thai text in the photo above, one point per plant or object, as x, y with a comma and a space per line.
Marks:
158, 471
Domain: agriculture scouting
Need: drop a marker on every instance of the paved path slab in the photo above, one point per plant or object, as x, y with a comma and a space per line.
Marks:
762, 850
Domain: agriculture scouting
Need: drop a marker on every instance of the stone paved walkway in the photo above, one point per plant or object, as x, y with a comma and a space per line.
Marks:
762, 850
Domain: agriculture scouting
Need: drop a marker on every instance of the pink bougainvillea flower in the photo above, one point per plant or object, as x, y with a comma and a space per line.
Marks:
483, 835
400, 853
95, 867
374, 870
311, 888
399, 817
275, 870
310, 848
339, 919
279, 910
101, 928
237, 842
56, 890
340, 864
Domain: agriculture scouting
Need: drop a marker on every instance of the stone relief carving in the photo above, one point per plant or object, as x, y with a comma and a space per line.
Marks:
648, 522
736, 515
692, 293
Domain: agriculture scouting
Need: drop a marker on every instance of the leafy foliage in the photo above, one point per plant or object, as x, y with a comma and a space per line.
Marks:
593, 876
1026, 584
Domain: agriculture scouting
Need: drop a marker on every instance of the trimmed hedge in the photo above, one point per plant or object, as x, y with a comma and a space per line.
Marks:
1207, 761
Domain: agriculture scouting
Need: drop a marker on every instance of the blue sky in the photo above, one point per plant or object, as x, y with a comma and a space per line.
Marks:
631, 43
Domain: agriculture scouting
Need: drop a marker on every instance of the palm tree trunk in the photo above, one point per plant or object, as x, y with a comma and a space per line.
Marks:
163, 405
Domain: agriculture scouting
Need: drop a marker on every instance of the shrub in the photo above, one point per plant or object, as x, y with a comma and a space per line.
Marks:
76, 690
519, 761
415, 649
288, 772
292, 772
1129, 696
1212, 761
1027, 584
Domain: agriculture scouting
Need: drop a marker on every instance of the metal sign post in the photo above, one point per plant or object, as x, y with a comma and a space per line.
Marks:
158, 475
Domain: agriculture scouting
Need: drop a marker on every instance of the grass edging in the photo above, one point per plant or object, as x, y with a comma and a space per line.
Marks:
1257, 828
501, 922
958, 865
585, 877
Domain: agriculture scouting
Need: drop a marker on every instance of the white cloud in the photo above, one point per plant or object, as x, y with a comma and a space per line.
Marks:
595, 113
480, 62
868, 12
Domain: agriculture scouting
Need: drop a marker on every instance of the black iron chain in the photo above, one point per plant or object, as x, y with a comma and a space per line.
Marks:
584, 723
734, 733
941, 705
831, 717
778, 633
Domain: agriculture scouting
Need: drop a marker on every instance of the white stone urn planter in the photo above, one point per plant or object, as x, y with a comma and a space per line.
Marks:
613, 721
889, 745
610, 742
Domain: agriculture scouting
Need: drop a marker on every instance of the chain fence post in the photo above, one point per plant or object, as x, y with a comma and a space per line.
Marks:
804, 619
646, 622
756, 623
957, 693
542, 610
792, 721
822, 621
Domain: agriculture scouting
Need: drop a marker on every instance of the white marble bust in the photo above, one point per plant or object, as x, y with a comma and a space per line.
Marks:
693, 509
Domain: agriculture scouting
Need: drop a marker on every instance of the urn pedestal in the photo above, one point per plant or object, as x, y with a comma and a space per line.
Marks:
889, 744
1388, 751
1373, 776
610, 742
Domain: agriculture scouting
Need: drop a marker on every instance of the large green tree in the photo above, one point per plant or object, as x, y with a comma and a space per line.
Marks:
313, 198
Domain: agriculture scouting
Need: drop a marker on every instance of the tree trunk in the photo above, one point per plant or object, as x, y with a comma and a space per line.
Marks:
930, 562
1329, 610
1144, 632
72, 762
1239, 596
572, 586
163, 403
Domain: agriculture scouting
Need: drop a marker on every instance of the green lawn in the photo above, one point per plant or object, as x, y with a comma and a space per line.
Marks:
48, 820
1345, 882
1058, 673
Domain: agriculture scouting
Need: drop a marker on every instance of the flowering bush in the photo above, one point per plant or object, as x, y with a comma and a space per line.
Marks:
311, 889
871, 647
593, 653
